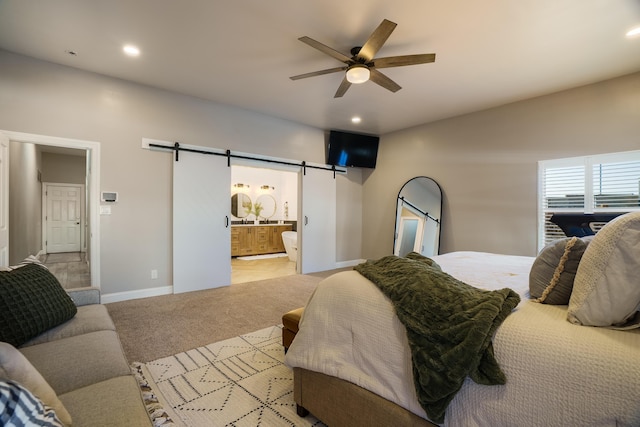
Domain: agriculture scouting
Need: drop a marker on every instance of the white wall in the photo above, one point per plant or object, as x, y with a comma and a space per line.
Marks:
47, 99
283, 187
486, 164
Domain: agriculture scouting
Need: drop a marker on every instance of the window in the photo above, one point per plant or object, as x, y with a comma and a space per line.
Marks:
604, 183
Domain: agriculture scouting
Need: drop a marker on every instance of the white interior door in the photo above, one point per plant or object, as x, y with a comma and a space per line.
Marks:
201, 232
408, 236
4, 200
317, 225
63, 217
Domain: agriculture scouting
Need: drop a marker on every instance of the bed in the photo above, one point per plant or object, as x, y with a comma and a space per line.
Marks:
353, 366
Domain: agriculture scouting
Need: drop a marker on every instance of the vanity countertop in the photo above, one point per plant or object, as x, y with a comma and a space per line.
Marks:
258, 225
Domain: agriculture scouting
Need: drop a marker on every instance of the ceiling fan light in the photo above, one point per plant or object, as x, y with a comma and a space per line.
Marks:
358, 73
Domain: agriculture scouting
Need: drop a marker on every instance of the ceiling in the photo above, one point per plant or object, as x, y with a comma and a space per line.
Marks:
243, 52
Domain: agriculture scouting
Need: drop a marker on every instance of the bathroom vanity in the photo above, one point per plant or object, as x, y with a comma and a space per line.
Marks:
249, 239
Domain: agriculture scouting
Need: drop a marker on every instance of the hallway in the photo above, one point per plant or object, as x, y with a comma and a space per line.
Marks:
70, 268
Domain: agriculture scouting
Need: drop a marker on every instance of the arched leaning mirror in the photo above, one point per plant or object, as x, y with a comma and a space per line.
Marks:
266, 205
240, 205
418, 217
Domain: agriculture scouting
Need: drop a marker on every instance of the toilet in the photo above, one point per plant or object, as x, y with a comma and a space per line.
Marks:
290, 240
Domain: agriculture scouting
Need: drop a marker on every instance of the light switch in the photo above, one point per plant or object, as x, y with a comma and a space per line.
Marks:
105, 210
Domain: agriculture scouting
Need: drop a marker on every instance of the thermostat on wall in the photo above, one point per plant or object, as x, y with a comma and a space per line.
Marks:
109, 196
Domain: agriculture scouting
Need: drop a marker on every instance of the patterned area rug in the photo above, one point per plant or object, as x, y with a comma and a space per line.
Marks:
238, 382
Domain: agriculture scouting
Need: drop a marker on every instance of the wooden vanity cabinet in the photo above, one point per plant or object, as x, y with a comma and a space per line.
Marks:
257, 239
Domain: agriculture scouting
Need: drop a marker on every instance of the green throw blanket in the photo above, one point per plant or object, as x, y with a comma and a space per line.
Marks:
449, 325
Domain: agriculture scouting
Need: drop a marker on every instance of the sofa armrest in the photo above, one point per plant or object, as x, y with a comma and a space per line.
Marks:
84, 296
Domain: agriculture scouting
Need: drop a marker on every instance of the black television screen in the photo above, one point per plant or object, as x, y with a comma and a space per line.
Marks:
352, 149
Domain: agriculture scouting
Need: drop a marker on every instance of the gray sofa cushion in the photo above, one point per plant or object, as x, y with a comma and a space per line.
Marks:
84, 296
70, 363
113, 402
15, 367
31, 301
90, 318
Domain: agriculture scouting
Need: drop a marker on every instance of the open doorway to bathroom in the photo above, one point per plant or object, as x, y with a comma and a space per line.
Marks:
264, 212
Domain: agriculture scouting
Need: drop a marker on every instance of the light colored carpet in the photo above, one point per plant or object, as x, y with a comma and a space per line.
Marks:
151, 328
238, 382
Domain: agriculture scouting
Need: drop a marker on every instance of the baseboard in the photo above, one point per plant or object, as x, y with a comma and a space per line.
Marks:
351, 263
142, 293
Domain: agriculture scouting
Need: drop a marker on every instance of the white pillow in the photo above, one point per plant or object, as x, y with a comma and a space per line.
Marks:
606, 290
15, 367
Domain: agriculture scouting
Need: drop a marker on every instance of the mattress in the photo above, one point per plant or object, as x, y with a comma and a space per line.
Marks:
557, 373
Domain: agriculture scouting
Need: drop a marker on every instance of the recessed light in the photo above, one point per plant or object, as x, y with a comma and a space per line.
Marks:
634, 32
131, 50
356, 119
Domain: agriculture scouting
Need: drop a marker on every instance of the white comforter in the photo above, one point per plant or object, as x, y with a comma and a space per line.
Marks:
558, 373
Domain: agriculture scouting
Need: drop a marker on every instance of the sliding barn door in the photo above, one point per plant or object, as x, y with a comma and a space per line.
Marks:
317, 225
201, 233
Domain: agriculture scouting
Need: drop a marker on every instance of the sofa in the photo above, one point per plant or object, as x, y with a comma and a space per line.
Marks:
76, 370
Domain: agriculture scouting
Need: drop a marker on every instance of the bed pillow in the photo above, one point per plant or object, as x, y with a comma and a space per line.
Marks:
15, 367
22, 408
31, 302
606, 291
554, 270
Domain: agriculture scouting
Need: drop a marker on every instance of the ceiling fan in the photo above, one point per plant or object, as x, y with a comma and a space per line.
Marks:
361, 66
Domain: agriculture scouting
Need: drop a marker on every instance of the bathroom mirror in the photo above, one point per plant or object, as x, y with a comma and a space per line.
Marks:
266, 204
418, 217
240, 205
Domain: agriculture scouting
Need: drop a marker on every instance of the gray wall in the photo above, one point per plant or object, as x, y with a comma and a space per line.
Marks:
486, 164
64, 169
25, 202
43, 98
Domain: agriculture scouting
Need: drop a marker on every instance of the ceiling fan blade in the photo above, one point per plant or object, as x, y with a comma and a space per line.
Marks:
317, 73
376, 40
326, 49
384, 81
342, 89
400, 61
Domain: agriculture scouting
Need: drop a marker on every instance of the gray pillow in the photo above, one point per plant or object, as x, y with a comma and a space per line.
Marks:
554, 270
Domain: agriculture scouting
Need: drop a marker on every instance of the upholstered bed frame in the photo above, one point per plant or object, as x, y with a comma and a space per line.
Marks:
340, 403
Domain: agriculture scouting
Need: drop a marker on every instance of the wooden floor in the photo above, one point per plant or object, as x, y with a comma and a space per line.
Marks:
72, 270
243, 271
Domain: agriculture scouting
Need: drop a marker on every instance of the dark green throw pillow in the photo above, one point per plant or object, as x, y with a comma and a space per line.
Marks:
31, 302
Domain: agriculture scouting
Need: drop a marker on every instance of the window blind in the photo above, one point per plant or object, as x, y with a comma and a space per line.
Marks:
591, 184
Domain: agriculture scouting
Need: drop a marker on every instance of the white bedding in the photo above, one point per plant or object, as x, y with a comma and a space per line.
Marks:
558, 373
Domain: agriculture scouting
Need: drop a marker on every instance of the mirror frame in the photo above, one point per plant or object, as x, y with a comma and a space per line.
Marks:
275, 204
398, 201
237, 197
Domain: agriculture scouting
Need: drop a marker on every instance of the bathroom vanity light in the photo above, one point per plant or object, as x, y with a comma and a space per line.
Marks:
241, 185
267, 187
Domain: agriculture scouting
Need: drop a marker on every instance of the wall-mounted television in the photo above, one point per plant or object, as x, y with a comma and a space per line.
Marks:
352, 149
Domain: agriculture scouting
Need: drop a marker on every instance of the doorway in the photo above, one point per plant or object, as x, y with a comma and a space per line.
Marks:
258, 250
92, 182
